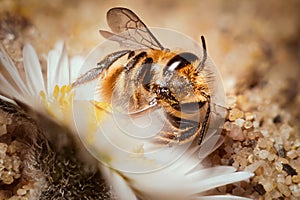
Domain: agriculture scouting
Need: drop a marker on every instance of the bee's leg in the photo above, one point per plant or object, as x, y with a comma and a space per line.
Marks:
152, 105
101, 66
205, 122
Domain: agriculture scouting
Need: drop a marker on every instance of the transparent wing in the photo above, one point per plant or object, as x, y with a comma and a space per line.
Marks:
128, 30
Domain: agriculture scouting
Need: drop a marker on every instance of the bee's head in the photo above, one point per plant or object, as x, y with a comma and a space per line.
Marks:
179, 86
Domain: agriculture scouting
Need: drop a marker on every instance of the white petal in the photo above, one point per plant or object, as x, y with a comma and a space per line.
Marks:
207, 147
82, 108
7, 99
188, 160
220, 197
76, 63
32, 67
12, 70
58, 72
87, 92
169, 184
63, 71
53, 57
119, 185
224, 179
210, 145
8, 90
211, 172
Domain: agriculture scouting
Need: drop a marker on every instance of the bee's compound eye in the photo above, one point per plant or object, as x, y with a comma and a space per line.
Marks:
180, 61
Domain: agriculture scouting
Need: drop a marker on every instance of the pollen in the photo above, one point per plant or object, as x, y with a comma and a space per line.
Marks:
97, 113
59, 103
100, 109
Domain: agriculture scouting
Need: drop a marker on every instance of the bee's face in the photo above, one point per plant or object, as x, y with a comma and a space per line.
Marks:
178, 81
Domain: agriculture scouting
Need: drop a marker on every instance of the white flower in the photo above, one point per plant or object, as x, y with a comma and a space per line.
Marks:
52, 95
135, 172
177, 182
170, 174
185, 177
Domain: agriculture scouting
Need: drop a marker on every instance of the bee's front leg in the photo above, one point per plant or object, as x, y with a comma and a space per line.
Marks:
101, 66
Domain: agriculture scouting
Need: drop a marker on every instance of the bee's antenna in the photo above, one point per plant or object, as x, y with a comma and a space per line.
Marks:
204, 57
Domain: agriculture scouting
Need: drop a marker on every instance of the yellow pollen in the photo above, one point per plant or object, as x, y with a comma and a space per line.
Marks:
59, 104
101, 108
96, 116
43, 96
56, 92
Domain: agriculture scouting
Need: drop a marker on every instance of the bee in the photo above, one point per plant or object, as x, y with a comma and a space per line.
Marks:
154, 77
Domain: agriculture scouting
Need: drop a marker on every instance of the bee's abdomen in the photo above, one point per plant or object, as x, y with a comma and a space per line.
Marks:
178, 129
180, 123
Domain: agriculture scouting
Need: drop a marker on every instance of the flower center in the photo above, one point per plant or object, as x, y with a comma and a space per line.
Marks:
59, 103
